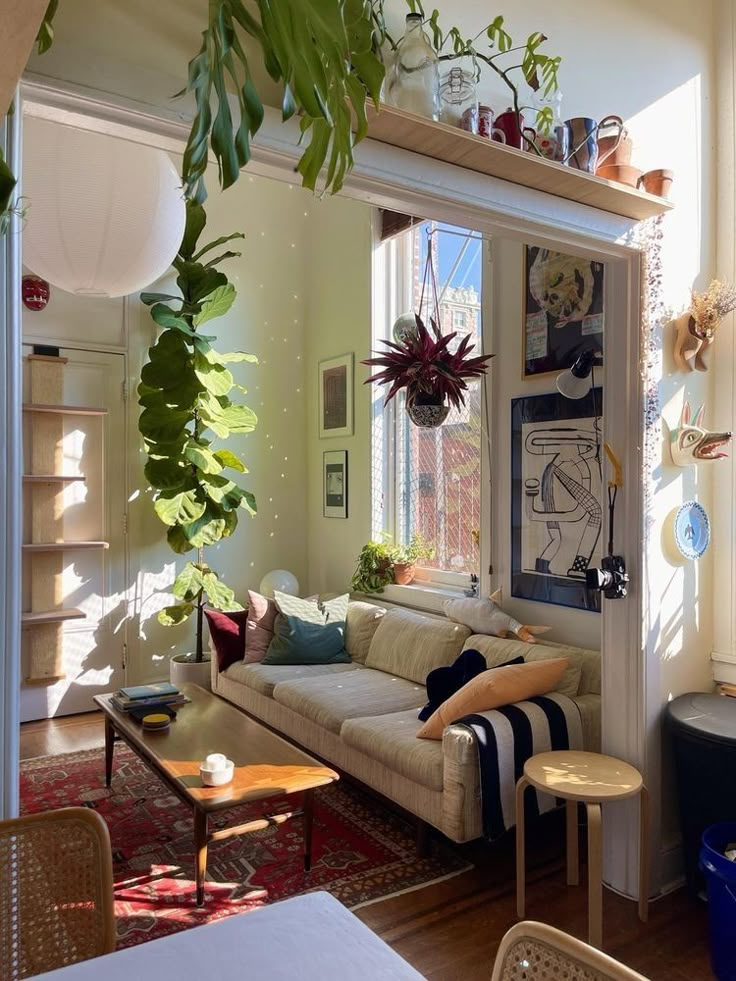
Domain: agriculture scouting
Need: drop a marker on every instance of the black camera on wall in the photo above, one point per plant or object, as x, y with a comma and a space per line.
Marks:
610, 579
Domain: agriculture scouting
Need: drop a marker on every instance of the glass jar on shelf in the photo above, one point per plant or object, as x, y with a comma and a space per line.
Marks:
459, 99
552, 140
414, 80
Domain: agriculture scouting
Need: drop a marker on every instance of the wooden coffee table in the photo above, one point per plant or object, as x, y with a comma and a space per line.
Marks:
265, 766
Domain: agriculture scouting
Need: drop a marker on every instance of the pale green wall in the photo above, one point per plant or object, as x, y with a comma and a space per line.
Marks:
338, 321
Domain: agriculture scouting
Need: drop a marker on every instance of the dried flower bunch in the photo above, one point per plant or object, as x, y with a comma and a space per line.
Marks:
423, 365
710, 307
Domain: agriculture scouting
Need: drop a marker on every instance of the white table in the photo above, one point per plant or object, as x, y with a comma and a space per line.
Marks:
312, 937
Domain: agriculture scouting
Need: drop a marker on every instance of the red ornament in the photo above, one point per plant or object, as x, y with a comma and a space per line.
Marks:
36, 292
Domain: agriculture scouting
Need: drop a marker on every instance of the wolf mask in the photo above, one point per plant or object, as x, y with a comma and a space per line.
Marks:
690, 443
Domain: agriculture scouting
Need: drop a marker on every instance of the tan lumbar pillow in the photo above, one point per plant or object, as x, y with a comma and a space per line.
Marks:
492, 689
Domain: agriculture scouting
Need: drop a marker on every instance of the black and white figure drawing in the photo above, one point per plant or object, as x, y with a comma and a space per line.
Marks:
556, 495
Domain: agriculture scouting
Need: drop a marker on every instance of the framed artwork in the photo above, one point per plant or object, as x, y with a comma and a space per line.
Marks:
563, 310
335, 466
556, 495
336, 397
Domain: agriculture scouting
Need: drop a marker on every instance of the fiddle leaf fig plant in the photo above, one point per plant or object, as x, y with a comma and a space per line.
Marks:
184, 395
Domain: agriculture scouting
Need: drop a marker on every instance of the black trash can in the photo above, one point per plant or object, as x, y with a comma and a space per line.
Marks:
703, 732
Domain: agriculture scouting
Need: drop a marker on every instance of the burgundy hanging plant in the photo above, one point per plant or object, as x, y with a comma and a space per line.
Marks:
434, 377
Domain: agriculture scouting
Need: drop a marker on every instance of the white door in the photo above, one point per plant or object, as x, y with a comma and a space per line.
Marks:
91, 580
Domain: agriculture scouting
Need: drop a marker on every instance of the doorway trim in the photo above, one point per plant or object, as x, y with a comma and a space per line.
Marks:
388, 177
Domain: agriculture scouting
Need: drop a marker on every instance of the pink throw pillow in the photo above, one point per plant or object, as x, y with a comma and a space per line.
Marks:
259, 626
492, 689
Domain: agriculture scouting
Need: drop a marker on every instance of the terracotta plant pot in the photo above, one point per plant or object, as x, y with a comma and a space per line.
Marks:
404, 573
658, 182
618, 157
621, 173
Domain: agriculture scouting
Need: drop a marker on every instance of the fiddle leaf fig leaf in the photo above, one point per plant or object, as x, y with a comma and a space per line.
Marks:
163, 424
170, 616
228, 459
214, 377
218, 594
165, 474
189, 583
150, 298
216, 304
178, 542
207, 528
179, 509
202, 458
237, 356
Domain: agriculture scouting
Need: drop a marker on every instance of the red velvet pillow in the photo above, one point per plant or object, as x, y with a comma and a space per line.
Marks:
227, 631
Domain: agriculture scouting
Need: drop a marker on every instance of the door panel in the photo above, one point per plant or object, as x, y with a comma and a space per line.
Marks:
92, 510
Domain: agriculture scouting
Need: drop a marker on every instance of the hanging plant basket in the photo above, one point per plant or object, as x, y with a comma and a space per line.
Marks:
427, 411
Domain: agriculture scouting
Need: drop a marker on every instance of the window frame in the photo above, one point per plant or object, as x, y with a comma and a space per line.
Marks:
392, 296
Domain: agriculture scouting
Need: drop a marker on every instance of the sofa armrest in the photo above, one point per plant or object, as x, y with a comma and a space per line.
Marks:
590, 717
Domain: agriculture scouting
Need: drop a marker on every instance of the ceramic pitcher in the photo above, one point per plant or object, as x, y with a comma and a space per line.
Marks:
512, 126
583, 133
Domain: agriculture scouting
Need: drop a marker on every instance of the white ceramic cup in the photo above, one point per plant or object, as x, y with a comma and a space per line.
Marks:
215, 761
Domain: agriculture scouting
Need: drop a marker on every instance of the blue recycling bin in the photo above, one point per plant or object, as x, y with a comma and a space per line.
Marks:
720, 881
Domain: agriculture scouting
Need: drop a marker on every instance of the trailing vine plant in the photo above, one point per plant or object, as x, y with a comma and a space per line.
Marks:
502, 56
185, 396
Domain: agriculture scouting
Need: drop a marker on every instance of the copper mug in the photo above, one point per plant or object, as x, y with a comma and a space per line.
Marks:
584, 150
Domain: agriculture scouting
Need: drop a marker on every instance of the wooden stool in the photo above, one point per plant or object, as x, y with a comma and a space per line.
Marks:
591, 779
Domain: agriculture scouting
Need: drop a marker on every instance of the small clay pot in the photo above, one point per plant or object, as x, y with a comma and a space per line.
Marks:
404, 573
657, 182
622, 174
619, 157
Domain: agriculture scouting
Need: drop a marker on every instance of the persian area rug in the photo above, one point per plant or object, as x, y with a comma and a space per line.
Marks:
361, 851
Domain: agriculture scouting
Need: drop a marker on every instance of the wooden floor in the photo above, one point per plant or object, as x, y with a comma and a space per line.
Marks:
450, 932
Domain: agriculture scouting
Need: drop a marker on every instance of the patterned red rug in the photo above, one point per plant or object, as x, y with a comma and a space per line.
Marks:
361, 852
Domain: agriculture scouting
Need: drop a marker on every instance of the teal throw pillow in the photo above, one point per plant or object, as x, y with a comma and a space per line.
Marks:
308, 632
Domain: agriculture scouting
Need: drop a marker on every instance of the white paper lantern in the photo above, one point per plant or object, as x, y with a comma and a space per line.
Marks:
281, 579
105, 216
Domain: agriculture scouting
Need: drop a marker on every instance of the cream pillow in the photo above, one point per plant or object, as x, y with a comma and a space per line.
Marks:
492, 689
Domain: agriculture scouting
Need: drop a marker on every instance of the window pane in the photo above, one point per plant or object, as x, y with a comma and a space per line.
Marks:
438, 470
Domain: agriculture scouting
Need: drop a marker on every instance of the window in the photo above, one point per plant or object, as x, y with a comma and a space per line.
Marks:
428, 481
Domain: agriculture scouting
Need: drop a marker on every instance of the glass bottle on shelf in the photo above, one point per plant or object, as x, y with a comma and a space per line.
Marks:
552, 143
459, 99
414, 81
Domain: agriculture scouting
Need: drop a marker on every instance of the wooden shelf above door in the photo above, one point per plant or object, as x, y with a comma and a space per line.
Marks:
63, 546
51, 478
51, 616
64, 410
453, 145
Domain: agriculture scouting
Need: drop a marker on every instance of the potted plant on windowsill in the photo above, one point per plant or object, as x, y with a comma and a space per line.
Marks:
434, 377
374, 569
405, 558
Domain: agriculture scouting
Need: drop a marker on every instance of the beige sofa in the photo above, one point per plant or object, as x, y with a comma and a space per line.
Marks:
362, 717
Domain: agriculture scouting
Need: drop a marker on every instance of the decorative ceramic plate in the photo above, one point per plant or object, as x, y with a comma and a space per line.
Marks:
692, 529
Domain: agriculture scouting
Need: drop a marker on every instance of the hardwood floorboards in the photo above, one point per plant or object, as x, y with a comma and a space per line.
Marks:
450, 932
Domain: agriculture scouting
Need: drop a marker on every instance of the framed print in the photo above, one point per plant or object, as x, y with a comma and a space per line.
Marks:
336, 397
335, 484
563, 310
556, 495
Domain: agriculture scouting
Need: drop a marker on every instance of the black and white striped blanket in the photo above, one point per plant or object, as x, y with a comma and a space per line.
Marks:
506, 737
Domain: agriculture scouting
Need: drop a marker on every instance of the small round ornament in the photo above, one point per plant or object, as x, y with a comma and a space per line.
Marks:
35, 292
405, 328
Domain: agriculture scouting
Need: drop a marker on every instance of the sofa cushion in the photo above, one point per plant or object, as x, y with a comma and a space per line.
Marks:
227, 634
493, 689
392, 740
496, 650
263, 678
410, 645
329, 701
361, 624
306, 632
259, 626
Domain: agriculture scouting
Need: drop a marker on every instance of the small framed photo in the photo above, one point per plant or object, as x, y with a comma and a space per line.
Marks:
563, 310
336, 397
335, 468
